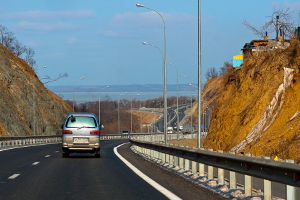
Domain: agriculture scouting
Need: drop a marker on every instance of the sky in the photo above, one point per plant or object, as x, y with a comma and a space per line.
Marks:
101, 40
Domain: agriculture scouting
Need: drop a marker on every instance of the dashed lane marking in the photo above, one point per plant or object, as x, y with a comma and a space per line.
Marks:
14, 176
35, 163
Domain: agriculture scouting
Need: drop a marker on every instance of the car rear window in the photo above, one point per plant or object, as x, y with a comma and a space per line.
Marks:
76, 122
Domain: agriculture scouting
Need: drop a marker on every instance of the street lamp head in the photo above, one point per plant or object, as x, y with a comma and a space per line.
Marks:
144, 43
81, 78
139, 5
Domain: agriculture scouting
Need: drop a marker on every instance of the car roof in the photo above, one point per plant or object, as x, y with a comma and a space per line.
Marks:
82, 114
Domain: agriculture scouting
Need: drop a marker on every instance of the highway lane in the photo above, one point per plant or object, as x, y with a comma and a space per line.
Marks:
171, 115
40, 172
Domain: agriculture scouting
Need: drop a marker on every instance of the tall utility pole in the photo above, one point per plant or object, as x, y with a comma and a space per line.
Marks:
199, 143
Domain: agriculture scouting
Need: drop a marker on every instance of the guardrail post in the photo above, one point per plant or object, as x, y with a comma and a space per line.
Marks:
221, 174
186, 164
171, 160
232, 177
156, 155
181, 161
267, 187
201, 169
151, 153
148, 152
194, 167
167, 158
248, 181
142, 150
176, 161
290, 190
210, 170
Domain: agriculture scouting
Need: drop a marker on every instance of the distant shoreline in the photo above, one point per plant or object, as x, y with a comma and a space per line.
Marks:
138, 92
122, 88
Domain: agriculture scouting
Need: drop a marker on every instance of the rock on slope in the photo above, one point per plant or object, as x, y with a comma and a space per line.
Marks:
258, 111
27, 107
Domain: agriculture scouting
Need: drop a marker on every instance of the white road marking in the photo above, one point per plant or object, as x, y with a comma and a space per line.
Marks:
35, 163
157, 186
14, 176
47, 156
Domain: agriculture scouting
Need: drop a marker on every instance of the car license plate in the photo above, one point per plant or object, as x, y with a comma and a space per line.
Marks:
81, 140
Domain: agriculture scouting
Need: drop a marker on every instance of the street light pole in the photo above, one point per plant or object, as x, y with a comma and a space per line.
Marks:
99, 102
119, 112
199, 142
165, 73
131, 116
176, 100
73, 90
191, 100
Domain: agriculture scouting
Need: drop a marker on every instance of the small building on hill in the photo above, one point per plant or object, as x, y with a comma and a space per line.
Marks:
257, 46
238, 60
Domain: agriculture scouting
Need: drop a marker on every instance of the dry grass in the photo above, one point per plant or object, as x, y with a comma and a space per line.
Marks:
185, 142
244, 99
147, 117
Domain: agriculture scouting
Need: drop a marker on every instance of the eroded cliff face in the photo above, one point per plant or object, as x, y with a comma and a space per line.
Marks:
27, 107
258, 109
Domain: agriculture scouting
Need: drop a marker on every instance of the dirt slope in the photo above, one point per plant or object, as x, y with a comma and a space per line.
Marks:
257, 110
27, 107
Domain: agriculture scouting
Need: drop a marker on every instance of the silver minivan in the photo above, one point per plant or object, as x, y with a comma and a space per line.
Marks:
81, 134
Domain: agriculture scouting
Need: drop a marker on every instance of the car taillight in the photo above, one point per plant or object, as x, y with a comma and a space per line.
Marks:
95, 132
66, 132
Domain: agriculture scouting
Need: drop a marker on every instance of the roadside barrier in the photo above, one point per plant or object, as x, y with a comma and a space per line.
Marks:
28, 140
41, 139
205, 162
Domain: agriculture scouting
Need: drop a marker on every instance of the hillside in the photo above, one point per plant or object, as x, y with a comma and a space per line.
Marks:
27, 107
257, 109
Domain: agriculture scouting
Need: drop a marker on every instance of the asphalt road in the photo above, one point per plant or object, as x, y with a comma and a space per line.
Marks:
171, 115
40, 172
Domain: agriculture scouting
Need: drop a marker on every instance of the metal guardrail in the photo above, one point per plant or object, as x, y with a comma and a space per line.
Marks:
29, 140
195, 159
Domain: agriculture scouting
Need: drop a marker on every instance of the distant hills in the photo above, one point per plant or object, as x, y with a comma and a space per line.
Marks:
122, 88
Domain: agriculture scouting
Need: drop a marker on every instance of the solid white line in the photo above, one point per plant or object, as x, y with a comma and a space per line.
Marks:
157, 186
47, 156
35, 163
14, 176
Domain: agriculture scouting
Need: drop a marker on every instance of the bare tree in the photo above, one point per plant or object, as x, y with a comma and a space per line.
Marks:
8, 39
279, 21
19, 49
55, 79
29, 56
211, 73
227, 67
